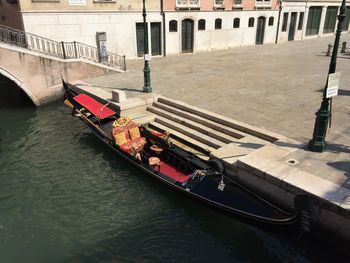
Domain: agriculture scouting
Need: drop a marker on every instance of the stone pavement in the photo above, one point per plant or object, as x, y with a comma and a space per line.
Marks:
274, 87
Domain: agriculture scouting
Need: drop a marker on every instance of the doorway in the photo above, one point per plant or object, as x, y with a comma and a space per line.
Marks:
292, 26
156, 42
187, 36
260, 31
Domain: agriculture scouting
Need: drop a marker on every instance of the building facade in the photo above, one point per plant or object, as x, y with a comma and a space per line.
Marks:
174, 26
309, 19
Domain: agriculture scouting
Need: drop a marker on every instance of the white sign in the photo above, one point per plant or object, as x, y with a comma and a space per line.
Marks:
77, 2
147, 57
333, 85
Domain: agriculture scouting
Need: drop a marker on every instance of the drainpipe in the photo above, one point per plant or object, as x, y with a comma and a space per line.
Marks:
279, 20
163, 22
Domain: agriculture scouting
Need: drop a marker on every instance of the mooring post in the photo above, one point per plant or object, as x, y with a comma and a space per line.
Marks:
343, 47
329, 50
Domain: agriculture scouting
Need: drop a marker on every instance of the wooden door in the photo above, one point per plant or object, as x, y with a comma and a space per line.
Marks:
293, 23
187, 36
260, 31
156, 42
140, 39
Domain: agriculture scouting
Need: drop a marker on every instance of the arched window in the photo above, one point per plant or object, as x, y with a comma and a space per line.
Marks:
201, 24
236, 23
218, 23
173, 26
251, 22
271, 19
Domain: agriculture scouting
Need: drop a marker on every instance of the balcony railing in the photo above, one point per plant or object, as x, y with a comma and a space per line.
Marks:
64, 50
262, 3
188, 4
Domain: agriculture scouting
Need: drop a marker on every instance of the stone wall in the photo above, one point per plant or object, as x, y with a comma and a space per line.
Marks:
40, 77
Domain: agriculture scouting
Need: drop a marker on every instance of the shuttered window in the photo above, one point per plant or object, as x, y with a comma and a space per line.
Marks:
251, 22
236, 23
201, 24
173, 26
218, 23
331, 18
313, 20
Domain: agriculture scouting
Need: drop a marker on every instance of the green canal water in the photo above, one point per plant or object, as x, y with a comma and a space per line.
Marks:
65, 197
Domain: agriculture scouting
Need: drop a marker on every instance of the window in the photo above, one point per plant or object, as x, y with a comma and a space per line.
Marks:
347, 18
251, 22
313, 20
201, 24
271, 19
218, 23
331, 18
301, 21
173, 26
219, 2
236, 23
285, 22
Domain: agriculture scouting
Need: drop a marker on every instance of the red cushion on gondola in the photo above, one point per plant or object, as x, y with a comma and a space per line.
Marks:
96, 108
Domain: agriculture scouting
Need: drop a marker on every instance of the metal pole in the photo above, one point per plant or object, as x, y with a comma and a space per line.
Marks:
318, 143
146, 70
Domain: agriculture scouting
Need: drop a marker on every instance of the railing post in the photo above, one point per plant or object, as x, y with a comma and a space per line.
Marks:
329, 50
63, 50
343, 47
75, 49
124, 61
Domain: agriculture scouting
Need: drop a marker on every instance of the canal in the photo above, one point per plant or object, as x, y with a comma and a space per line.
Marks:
65, 197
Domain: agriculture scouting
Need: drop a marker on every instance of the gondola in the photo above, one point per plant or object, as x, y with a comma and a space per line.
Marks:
153, 153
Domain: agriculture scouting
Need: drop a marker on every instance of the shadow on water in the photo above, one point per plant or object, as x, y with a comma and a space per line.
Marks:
12, 96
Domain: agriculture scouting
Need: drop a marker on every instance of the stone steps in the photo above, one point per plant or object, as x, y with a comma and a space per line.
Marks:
219, 119
220, 136
183, 139
201, 120
205, 139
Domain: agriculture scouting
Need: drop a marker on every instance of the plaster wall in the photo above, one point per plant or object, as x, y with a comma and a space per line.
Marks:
209, 5
120, 28
302, 6
227, 37
90, 5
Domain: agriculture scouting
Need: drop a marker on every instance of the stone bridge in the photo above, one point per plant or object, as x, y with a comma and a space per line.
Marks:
36, 65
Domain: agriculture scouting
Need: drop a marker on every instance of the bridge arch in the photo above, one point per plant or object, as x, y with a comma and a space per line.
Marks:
20, 85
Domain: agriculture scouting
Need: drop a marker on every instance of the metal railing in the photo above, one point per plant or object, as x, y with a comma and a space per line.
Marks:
64, 50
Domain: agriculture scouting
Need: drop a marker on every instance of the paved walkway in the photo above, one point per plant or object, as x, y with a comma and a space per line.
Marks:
275, 87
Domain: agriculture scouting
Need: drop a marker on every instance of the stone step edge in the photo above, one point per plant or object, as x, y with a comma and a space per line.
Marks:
190, 133
193, 125
191, 143
203, 121
254, 131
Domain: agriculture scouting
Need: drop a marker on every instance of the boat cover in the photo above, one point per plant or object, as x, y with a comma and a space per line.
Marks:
96, 108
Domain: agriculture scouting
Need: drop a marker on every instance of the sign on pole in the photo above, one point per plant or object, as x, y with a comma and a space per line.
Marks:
333, 85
